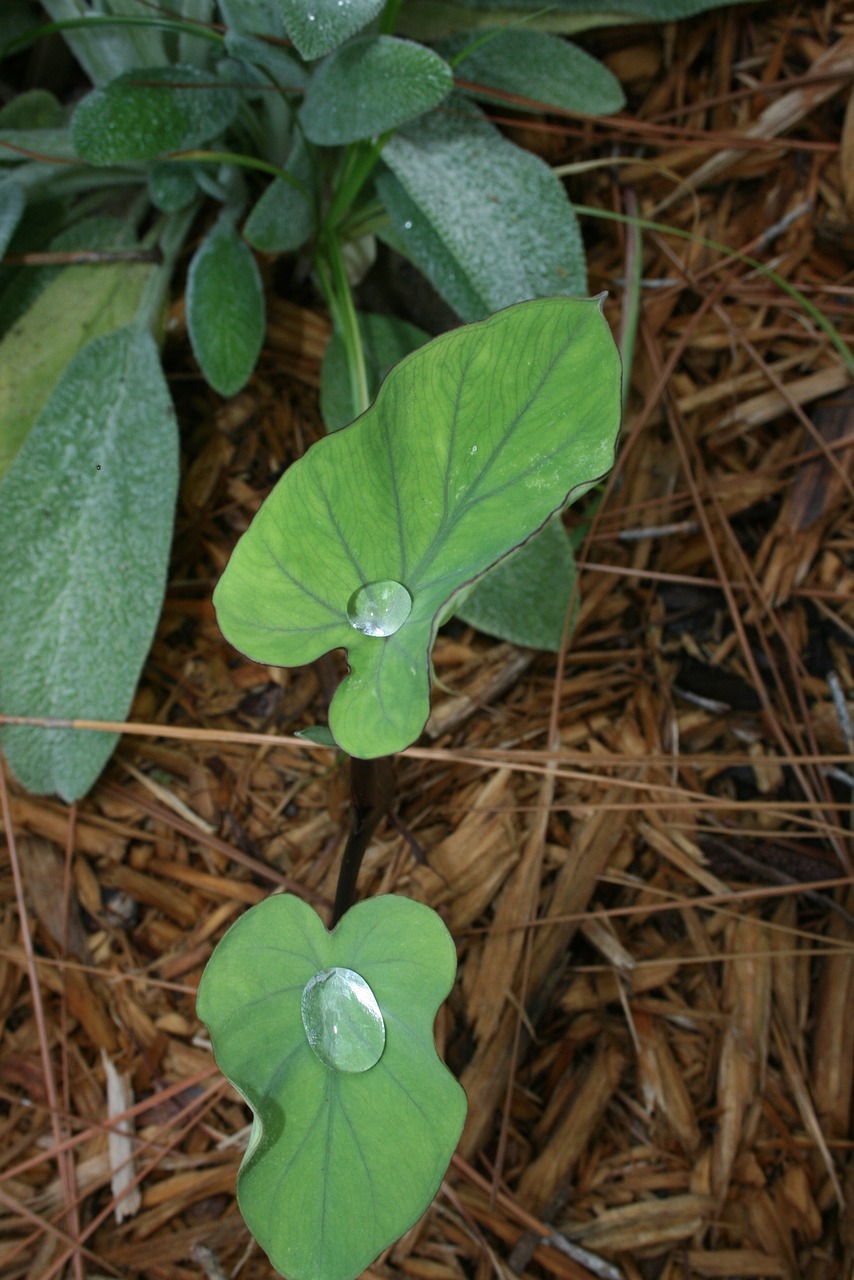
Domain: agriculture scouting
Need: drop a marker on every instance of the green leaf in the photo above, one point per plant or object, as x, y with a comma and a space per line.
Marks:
225, 309
12, 201
430, 19
281, 66
319, 27
318, 733
385, 341
354, 1124
15, 144
151, 111
171, 186
80, 304
283, 218
34, 109
487, 223
86, 514
525, 598
473, 443
262, 17
370, 86
537, 67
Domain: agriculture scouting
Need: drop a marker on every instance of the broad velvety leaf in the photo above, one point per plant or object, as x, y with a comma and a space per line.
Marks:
385, 340
319, 26
150, 112
487, 223
171, 186
341, 1161
282, 67
33, 109
536, 70
372, 85
79, 304
86, 513
525, 598
430, 19
473, 443
225, 309
283, 217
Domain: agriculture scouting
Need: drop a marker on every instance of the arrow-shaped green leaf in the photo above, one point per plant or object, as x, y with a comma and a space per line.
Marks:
329, 1037
473, 442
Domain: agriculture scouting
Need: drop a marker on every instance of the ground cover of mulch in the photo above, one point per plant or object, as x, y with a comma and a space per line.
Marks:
642, 848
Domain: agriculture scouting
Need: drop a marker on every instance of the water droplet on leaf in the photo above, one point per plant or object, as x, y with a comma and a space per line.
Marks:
342, 1020
379, 608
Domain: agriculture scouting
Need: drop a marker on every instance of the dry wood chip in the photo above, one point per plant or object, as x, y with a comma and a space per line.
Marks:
641, 1228
661, 1080
744, 1053
574, 1129
120, 1142
734, 1263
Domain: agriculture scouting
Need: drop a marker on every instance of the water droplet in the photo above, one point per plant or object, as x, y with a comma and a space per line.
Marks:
473, 449
379, 608
342, 1020
310, 17
407, 226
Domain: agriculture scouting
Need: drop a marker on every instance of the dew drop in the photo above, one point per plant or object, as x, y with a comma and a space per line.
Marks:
342, 1020
407, 226
379, 608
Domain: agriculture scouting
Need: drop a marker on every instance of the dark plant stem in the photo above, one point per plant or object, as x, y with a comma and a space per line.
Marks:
371, 795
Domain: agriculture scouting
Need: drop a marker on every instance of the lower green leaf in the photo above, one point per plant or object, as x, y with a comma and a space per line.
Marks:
86, 513
329, 1038
525, 598
225, 309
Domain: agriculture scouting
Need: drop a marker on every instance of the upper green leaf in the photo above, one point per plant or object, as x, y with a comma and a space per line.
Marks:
150, 112
225, 309
86, 513
536, 69
319, 26
474, 441
355, 1117
369, 86
487, 223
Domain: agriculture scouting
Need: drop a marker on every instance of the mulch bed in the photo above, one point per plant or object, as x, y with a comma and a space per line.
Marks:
642, 847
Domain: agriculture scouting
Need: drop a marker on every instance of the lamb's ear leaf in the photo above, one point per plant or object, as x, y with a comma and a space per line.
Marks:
525, 598
225, 309
323, 25
479, 254
86, 515
474, 442
327, 1181
536, 70
151, 111
369, 86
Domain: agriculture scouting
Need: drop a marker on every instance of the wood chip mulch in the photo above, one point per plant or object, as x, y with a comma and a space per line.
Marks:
643, 848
